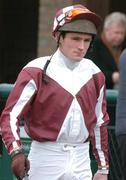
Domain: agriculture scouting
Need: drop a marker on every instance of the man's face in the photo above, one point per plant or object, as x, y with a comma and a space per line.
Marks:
115, 34
75, 45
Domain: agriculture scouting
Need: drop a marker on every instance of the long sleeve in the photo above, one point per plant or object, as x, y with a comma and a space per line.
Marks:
17, 104
100, 140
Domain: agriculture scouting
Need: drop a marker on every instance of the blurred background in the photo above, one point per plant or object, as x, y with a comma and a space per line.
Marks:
25, 34
25, 30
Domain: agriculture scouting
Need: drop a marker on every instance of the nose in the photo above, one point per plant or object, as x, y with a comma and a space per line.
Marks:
81, 45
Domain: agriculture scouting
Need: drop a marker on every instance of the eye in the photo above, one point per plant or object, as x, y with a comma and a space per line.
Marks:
76, 38
88, 40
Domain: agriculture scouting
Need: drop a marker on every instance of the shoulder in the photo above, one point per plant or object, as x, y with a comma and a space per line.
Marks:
91, 68
37, 63
89, 64
123, 57
122, 63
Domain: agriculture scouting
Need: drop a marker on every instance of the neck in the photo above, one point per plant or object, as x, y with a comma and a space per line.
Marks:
71, 64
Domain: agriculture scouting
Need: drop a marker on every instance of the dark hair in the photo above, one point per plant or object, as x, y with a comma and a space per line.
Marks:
63, 34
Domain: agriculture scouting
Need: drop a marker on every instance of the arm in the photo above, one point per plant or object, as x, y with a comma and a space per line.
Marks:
17, 106
100, 139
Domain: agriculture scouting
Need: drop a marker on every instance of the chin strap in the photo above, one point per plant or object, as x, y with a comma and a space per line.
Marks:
44, 75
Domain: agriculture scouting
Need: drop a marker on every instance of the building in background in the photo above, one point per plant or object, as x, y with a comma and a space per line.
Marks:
25, 30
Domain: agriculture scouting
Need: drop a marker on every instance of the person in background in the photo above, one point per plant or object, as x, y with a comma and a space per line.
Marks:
121, 112
107, 47
62, 100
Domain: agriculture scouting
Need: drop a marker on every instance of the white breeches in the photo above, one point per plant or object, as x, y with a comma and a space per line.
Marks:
59, 161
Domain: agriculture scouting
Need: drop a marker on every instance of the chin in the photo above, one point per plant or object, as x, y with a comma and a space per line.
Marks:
78, 59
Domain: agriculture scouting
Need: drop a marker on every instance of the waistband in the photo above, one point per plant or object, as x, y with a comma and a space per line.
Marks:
59, 144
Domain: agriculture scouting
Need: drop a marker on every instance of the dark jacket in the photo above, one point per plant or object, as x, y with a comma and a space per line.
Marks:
102, 57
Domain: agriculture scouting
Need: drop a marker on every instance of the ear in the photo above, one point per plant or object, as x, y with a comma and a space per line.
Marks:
57, 35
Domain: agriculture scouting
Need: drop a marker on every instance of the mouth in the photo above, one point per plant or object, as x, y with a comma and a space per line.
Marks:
80, 54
